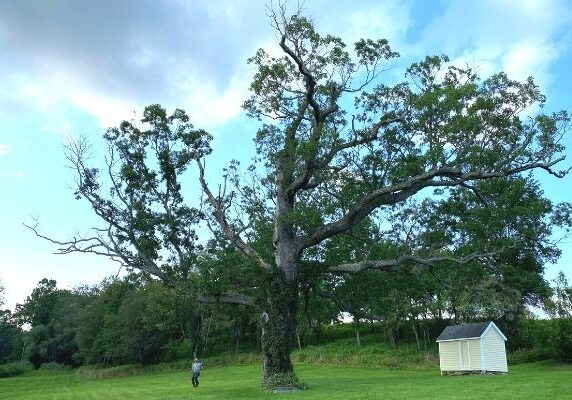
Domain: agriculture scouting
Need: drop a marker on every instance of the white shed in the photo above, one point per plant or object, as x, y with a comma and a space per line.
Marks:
472, 348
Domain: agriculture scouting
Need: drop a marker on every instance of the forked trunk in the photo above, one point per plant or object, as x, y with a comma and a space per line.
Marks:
278, 334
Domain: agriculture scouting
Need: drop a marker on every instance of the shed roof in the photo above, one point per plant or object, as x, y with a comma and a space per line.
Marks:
464, 331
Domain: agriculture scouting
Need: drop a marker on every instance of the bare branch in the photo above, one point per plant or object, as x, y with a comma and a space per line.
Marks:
226, 226
96, 245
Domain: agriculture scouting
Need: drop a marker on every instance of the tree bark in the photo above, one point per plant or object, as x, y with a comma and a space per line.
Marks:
279, 320
358, 339
238, 332
414, 325
279, 327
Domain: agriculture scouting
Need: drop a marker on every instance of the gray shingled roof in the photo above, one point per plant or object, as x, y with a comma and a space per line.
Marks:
464, 331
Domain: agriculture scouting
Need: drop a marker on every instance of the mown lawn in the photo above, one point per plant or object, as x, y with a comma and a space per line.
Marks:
528, 381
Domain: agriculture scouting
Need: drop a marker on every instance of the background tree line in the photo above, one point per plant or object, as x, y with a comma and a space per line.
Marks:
140, 320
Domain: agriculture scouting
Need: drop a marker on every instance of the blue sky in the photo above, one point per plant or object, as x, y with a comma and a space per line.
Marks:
73, 68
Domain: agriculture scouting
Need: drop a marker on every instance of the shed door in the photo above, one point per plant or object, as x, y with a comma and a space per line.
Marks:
465, 356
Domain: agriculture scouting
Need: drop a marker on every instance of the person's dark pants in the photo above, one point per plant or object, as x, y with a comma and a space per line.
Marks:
195, 379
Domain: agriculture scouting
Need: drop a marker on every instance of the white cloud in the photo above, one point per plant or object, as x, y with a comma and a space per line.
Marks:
389, 20
5, 149
523, 38
18, 174
110, 70
208, 106
530, 59
108, 110
198, 61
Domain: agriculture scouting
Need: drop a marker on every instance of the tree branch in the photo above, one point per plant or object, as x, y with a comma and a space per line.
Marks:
227, 298
308, 78
301, 182
440, 177
396, 265
226, 226
345, 307
96, 245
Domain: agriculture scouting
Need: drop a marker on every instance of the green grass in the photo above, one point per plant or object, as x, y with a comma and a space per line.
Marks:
526, 381
373, 353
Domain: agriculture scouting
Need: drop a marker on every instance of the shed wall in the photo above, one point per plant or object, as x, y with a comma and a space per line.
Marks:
475, 353
449, 358
495, 353
450, 355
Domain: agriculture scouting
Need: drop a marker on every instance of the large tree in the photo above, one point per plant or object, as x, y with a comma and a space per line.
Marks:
338, 145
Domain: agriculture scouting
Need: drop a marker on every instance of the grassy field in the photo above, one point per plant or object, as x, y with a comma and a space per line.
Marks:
527, 381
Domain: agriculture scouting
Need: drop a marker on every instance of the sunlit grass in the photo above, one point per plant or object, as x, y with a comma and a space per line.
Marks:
527, 381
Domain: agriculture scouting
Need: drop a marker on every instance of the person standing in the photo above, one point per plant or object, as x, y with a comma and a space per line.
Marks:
196, 367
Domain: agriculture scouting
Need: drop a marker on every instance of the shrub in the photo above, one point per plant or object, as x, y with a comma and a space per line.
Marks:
15, 368
283, 379
562, 339
530, 355
53, 366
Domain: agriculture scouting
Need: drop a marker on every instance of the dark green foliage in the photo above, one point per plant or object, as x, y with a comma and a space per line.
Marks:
39, 305
541, 339
53, 366
15, 368
130, 322
93, 335
11, 338
222, 269
561, 339
314, 315
508, 213
147, 322
560, 309
52, 316
283, 379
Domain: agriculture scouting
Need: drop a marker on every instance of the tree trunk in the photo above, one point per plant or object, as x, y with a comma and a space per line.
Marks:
205, 339
416, 333
425, 336
317, 329
391, 335
278, 328
238, 332
358, 339
454, 311
279, 319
